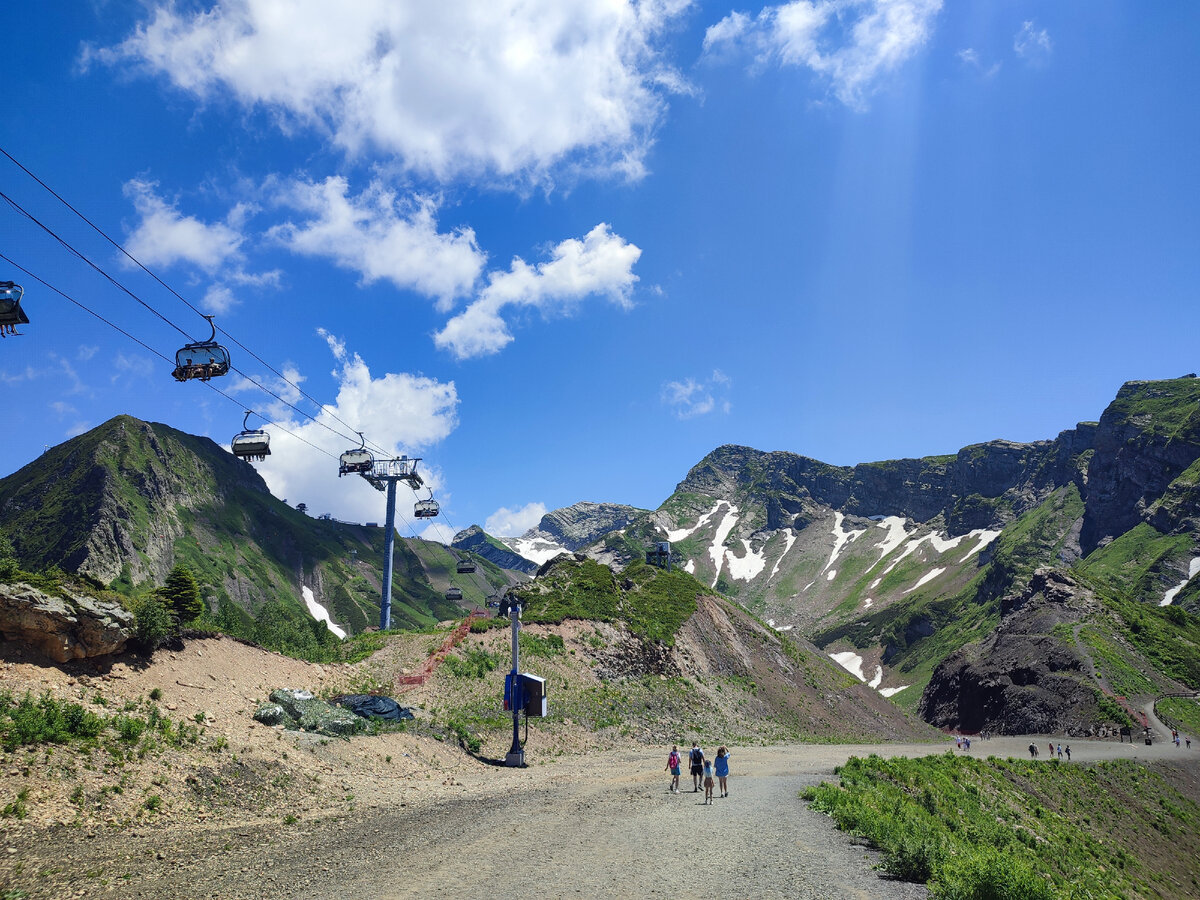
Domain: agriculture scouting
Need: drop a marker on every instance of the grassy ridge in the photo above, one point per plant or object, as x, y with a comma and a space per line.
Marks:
1020, 830
653, 602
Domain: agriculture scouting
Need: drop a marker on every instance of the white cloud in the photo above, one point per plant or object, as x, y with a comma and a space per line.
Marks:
969, 57
1033, 44
440, 532
506, 522
599, 265
164, 236
380, 236
459, 87
690, 398
852, 43
398, 412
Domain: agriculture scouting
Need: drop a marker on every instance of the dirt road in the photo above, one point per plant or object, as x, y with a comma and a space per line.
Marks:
600, 826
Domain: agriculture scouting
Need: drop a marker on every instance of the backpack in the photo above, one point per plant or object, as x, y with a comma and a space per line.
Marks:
673, 759
696, 756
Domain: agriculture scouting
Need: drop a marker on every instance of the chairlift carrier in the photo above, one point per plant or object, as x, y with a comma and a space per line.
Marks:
249, 443
358, 460
11, 314
202, 359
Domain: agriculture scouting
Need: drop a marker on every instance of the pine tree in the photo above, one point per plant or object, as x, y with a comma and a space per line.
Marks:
182, 594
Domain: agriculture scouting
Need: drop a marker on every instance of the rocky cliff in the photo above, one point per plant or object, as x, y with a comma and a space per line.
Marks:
479, 542
576, 526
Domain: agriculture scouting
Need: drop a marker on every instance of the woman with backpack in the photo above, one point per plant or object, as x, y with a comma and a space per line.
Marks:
673, 768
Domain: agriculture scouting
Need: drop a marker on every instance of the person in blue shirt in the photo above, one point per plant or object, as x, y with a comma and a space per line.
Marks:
708, 782
723, 770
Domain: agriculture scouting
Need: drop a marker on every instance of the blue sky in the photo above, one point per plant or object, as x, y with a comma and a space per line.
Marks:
561, 250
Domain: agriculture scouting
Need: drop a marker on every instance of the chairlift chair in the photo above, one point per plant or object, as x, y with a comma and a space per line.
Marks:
251, 444
202, 359
454, 594
11, 314
425, 509
357, 460
465, 567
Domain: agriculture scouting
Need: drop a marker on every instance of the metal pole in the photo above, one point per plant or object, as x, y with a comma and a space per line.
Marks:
516, 755
389, 544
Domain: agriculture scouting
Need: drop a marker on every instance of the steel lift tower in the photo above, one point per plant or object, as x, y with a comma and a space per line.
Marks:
383, 475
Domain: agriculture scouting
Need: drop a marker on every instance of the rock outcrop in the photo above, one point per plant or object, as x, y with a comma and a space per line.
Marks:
1147, 438
63, 628
1023, 678
581, 524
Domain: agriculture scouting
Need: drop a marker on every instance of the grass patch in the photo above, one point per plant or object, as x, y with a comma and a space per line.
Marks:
1011, 829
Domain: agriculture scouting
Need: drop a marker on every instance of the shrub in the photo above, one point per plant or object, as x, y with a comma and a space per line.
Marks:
154, 623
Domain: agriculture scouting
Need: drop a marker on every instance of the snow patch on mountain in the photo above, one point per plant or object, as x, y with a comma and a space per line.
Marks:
771, 623
680, 533
896, 533
690, 567
891, 692
878, 679
748, 567
320, 613
841, 538
536, 549
717, 551
925, 579
985, 538
1169, 596
790, 537
851, 662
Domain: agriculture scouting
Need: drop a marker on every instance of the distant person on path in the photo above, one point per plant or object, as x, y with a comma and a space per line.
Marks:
1068, 752
1033, 751
1060, 751
708, 782
696, 762
1188, 741
1051, 746
722, 770
673, 768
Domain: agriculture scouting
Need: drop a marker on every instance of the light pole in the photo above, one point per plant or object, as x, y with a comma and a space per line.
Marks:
516, 754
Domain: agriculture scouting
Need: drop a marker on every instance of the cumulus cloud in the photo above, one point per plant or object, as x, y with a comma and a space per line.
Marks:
438, 531
690, 398
381, 236
599, 265
459, 87
1033, 44
852, 43
506, 522
164, 237
399, 413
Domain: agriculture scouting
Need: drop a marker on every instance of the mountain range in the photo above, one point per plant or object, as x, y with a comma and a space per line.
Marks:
1011, 586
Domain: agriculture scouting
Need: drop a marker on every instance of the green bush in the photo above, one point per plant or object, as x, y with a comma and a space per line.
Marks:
154, 623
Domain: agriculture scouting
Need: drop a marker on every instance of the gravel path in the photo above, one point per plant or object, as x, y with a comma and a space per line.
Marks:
604, 825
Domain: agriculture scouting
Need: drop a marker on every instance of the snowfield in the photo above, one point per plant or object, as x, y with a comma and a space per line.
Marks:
320, 613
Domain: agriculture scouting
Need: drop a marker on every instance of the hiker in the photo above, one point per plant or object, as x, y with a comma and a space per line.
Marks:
1032, 750
1188, 741
696, 762
673, 768
1060, 751
722, 770
967, 744
1051, 746
708, 782
1068, 752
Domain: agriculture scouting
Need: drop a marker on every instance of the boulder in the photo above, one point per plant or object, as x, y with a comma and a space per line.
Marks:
300, 709
63, 628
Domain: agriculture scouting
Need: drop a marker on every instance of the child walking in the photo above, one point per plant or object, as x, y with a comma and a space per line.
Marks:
673, 768
708, 782
722, 768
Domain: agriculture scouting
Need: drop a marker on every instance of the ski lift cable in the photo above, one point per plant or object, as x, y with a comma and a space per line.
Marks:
70, 249
141, 266
154, 351
81, 256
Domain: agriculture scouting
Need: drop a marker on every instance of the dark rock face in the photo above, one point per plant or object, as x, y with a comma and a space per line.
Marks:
984, 485
63, 629
581, 524
1021, 679
475, 540
1146, 438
